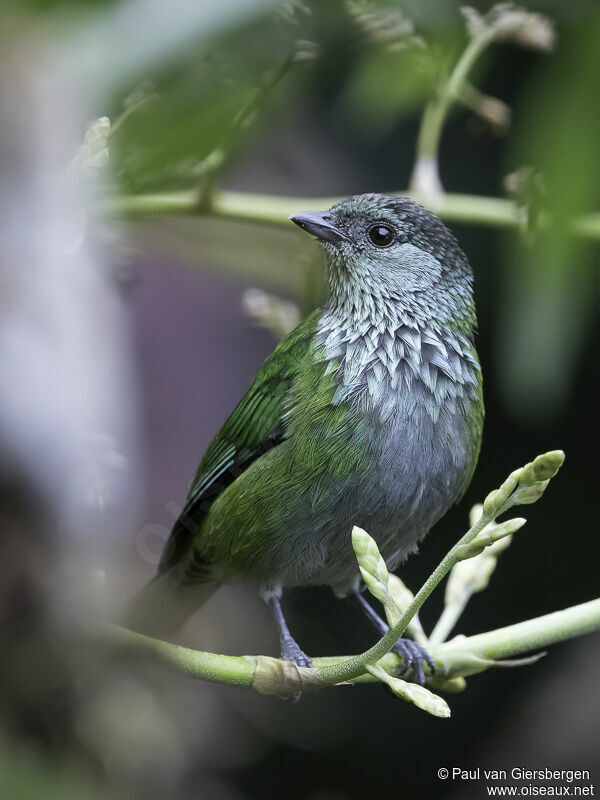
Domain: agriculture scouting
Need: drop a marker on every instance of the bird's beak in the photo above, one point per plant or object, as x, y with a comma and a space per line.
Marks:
321, 225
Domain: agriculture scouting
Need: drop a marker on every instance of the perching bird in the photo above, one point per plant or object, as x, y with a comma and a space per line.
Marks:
369, 413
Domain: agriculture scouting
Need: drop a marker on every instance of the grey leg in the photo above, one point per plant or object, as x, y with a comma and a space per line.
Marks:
376, 621
290, 651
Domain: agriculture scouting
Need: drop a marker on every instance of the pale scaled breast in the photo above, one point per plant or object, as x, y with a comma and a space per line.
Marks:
390, 366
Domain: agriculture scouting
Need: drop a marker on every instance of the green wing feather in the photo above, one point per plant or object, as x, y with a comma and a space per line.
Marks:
255, 426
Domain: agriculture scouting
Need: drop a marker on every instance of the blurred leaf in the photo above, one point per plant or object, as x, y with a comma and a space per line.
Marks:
550, 284
162, 143
385, 85
194, 103
389, 82
112, 48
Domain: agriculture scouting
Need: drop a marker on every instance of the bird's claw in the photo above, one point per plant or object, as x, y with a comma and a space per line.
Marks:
290, 651
413, 655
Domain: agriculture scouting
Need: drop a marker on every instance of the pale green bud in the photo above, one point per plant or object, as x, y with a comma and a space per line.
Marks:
93, 155
490, 504
468, 577
451, 685
411, 692
490, 535
543, 467
506, 22
420, 696
475, 514
530, 494
473, 573
372, 566
536, 476
96, 135
498, 497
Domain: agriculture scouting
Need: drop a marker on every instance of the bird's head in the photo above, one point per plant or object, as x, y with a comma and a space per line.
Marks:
389, 255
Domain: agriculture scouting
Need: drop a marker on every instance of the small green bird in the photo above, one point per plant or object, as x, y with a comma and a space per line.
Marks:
369, 413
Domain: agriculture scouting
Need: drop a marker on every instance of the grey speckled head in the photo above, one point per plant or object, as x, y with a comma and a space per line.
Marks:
389, 255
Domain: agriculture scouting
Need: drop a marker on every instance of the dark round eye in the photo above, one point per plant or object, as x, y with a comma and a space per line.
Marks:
381, 235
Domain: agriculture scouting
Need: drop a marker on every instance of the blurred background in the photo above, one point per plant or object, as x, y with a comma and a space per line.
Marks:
150, 154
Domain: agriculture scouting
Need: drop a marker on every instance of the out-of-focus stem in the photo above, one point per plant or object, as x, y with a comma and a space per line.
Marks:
437, 109
425, 177
464, 208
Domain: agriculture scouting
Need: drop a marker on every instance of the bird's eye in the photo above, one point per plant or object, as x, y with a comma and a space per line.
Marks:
381, 235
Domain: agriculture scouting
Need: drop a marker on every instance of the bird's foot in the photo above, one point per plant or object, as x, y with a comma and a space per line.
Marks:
290, 651
413, 655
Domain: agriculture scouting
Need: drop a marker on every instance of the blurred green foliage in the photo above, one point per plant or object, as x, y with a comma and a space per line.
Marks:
193, 101
550, 297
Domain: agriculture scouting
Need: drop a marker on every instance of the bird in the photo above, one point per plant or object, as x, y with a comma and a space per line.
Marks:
369, 413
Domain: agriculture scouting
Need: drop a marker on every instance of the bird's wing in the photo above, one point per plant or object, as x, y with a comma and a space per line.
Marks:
255, 426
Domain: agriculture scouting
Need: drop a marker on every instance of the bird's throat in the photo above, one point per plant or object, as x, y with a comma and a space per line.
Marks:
378, 364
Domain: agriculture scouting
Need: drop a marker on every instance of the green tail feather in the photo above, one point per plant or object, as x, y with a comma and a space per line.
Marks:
161, 607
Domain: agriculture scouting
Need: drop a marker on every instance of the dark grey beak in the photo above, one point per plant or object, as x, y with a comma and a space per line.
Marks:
321, 225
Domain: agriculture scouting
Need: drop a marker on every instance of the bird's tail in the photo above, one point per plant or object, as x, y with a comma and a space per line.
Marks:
161, 607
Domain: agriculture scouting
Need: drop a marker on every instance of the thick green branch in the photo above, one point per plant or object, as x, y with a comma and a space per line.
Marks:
522, 637
234, 670
456, 657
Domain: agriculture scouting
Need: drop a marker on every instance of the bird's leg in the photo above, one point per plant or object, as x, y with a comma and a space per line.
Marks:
413, 654
290, 651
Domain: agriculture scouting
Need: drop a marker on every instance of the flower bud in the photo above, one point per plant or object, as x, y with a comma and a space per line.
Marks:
411, 692
489, 535
420, 696
530, 493
543, 467
372, 566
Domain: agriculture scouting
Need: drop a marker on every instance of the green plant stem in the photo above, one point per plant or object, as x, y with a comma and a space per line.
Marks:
505, 642
448, 619
425, 179
213, 667
234, 670
470, 209
437, 108
523, 636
